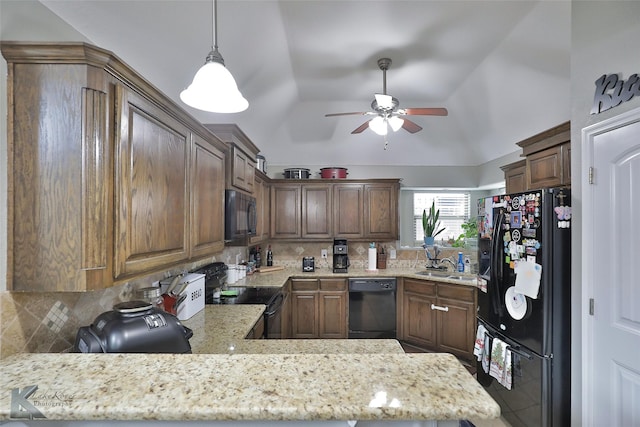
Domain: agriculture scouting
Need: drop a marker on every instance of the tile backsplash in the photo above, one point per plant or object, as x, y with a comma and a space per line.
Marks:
47, 322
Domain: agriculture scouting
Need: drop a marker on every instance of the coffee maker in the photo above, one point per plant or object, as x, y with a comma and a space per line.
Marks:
340, 256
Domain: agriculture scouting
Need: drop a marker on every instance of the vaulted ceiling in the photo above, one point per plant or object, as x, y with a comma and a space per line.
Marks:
501, 68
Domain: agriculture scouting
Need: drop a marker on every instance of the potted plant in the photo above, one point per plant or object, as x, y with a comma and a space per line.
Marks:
431, 224
470, 235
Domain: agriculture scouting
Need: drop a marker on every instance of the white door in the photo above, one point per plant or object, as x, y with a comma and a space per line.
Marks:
611, 272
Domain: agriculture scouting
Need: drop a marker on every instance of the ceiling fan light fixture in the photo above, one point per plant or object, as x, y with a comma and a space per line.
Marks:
396, 123
213, 88
378, 125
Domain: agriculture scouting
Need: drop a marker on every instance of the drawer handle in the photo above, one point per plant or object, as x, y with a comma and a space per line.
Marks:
437, 307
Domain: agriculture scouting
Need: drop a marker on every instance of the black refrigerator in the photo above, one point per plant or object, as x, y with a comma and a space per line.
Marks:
524, 289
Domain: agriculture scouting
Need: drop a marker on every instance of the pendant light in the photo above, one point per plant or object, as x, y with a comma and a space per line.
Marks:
213, 88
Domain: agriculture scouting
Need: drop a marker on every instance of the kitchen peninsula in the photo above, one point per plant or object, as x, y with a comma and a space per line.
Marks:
234, 379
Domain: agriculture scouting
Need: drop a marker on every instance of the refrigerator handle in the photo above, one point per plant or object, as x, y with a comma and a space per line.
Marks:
496, 266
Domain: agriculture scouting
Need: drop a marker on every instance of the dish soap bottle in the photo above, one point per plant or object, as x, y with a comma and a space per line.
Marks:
460, 263
269, 257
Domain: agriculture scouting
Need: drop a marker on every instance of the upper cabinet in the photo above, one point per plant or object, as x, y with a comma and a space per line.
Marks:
241, 156
547, 161
108, 178
261, 193
335, 208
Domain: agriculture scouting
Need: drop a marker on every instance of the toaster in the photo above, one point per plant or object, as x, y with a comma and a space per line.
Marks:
308, 264
134, 327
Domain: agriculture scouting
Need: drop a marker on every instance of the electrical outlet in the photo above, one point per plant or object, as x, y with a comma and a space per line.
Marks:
324, 253
392, 253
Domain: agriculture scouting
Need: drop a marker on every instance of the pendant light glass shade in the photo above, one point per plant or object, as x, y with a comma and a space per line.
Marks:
213, 87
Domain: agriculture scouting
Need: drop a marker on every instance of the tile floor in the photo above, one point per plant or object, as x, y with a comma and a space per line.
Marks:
499, 422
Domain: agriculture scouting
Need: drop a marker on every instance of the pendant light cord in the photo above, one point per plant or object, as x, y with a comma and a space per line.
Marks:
214, 29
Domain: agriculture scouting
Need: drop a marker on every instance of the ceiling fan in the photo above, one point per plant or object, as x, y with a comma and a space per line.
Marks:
386, 111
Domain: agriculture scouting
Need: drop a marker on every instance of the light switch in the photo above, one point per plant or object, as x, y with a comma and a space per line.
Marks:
324, 254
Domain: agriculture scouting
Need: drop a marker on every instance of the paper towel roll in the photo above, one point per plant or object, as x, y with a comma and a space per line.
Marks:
372, 259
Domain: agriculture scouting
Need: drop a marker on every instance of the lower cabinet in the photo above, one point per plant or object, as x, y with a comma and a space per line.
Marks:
319, 308
439, 316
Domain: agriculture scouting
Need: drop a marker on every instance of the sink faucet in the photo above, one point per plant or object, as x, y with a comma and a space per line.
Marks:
453, 265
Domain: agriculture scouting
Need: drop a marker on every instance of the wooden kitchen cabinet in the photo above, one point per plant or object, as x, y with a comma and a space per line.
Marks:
261, 191
317, 211
515, 176
241, 156
319, 308
257, 331
348, 212
103, 180
286, 212
439, 316
326, 209
207, 198
151, 186
381, 211
547, 161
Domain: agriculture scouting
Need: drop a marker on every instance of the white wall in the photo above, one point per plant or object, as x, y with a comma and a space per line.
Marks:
604, 37
21, 20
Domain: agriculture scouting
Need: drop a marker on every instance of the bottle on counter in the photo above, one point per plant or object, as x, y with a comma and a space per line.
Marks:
269, 257
460, 263
258, 257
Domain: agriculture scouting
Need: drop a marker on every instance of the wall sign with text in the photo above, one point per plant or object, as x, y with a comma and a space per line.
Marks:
612, 91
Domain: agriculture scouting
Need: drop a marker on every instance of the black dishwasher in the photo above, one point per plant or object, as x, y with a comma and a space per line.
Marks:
372, 308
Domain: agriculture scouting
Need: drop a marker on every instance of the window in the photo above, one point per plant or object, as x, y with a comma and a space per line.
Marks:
454, 211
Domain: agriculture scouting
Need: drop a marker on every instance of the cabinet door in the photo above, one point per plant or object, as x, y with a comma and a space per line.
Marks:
285, 211
348, 212
243, 172
418, 320
151, 187
316, 211
381, 211
456, 327
544, 168
515, 177
332, 315
207, 201
261, 193
304, 314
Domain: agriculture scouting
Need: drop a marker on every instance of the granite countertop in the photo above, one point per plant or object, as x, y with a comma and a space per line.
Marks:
417, 386
279, 278
222, 328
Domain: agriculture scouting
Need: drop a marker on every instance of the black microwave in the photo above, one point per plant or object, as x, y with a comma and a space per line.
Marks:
240, 215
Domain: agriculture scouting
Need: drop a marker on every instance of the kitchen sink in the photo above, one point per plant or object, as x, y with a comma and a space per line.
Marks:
447, 275
434, 273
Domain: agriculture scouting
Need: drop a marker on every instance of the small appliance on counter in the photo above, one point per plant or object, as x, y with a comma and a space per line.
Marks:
214, 280
340, 256
134, 327
308, 264
190, 294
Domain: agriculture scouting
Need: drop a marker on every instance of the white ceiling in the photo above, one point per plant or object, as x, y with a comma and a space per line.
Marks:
501, 68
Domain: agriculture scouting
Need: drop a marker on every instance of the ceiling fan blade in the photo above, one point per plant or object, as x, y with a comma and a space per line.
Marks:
359, 113
424, 111
410, 126
361, 128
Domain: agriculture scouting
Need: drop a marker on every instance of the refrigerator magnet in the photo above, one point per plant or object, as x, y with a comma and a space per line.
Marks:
516, 219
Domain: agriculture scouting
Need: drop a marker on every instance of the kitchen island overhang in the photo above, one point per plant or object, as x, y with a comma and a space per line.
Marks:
240, 387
